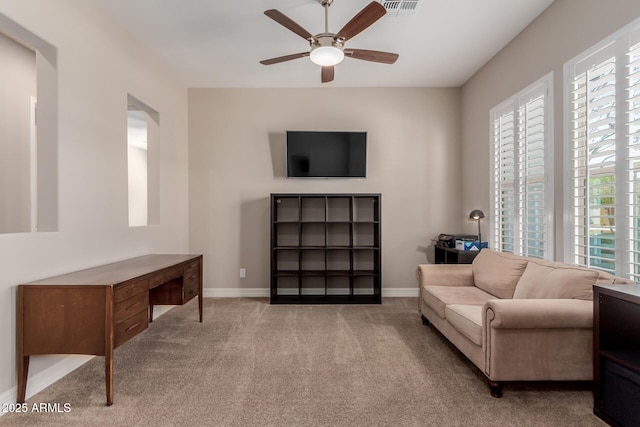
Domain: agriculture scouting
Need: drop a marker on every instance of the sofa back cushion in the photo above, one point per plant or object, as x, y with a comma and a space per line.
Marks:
497, 272
605, 278
555, 280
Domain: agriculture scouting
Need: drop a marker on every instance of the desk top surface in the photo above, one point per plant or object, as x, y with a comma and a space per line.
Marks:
117, 272
632, 291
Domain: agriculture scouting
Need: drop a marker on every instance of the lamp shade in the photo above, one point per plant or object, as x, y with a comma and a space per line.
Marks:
476, 215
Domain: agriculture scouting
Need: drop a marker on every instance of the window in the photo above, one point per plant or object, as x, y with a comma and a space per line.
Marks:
522, 190
603, 151
142, 131
28, 147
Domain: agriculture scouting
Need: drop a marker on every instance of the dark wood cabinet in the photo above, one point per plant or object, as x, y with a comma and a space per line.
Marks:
325, 248
453, 256
616, 358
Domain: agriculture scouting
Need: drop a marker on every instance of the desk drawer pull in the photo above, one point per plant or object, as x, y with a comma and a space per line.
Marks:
135, 325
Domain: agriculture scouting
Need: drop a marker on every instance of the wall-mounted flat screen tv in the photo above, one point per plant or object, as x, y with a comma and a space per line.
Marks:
317, 154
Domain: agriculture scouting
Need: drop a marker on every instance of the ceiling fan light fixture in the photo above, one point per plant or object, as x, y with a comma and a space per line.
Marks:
327, 55
326, 51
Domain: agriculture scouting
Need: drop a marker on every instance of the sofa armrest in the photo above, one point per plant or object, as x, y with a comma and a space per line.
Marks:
444, 275
538, 313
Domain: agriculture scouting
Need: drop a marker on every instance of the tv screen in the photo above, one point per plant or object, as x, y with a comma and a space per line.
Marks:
326, 154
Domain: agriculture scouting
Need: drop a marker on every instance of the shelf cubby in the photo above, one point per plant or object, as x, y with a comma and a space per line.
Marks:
287, 234
313, 234
288, 285
364, 259
312, 260
338, 285
338, 209
364, 234
312, 209
338, 234
338, 260
363, 285
287, 260
312, 285
287, 209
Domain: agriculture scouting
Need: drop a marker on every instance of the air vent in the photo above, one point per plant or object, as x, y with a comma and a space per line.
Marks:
400, 7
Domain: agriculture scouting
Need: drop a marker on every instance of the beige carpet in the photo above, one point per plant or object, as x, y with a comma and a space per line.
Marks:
251, 363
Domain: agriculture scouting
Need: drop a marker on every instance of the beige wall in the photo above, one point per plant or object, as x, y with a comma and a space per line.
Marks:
564, 30
237, 158
98, 65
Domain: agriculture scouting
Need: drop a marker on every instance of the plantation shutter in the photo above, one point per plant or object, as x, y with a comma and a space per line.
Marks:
604, 151
531, 175
633, 172
521, 196
593, 148
504, 183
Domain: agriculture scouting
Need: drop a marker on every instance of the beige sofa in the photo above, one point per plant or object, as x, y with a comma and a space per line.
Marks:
515, 318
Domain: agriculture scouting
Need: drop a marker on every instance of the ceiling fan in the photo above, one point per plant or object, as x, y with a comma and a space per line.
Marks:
327, 49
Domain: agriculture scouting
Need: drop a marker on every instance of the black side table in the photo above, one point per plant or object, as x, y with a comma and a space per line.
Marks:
453, 256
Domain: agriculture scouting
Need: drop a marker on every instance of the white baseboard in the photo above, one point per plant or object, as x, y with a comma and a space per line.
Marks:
264, 292
235, 292
53, 373
400, 292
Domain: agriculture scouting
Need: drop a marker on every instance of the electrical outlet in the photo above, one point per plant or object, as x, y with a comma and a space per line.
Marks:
243, 272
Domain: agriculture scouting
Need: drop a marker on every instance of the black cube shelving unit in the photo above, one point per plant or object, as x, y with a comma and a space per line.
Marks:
325, 249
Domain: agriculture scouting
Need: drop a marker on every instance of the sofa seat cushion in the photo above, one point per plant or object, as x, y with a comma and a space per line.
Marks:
467, 319
543, 279
438, 297
497, 272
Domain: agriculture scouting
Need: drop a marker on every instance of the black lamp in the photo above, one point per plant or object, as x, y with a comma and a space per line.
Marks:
477, 215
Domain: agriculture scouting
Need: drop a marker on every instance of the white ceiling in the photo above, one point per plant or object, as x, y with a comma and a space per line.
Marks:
214, 43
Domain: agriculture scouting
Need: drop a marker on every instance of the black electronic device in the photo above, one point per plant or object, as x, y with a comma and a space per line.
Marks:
312, 154
449, 240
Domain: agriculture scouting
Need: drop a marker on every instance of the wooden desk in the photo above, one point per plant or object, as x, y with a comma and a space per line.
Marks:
94, 311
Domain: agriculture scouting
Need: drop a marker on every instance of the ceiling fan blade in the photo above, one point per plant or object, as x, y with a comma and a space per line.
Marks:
288, 23
284, 58
367, 16
327, 74
372, 55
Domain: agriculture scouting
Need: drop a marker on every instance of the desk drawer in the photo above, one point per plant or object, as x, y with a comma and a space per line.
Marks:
191, 283
191, 278
164, 276
129, 307
122, 293
190, 293
195, 264
129, 328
